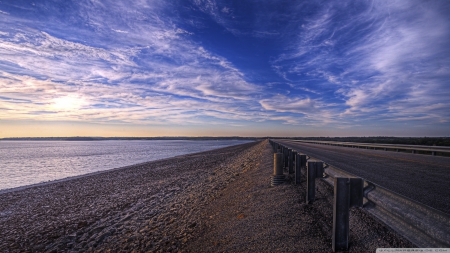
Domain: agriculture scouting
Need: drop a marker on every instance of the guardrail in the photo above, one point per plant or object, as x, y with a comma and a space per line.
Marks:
434, 150
424, 226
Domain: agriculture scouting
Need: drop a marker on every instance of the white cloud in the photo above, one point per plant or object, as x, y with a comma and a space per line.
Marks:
282, 103
119, 31
404, 54
181, 31
134, 63
385, 60
148, 75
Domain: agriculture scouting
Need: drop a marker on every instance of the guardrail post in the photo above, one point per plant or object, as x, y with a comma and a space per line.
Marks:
300, 162
314, 170
348, 192
277, 177
277, 166
341, 207
285, 157
291, 162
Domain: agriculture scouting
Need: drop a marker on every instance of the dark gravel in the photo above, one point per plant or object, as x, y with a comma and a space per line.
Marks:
423, 178
215, 201
251, 216
151, 207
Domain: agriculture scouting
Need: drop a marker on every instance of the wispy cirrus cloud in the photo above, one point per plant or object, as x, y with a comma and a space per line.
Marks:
378, 58
281, 103
212, 62
151, 73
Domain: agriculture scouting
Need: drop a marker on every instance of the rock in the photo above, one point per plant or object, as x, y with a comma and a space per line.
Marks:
82, 224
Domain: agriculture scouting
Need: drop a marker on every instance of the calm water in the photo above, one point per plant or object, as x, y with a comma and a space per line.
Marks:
29, 162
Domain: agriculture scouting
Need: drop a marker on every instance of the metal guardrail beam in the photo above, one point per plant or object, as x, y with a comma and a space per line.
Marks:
377, 144
432, 150
424, 226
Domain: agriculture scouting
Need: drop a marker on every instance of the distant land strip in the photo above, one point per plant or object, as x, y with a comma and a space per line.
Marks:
80, 138
424, 141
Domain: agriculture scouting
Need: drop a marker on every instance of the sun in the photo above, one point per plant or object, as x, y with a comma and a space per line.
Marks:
67, 103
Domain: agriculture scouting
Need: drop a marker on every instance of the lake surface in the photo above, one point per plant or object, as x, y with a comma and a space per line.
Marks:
30, 162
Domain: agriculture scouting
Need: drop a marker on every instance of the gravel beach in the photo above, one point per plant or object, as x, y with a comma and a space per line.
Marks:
214, 201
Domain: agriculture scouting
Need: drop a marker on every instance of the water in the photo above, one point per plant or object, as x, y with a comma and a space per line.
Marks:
30, 162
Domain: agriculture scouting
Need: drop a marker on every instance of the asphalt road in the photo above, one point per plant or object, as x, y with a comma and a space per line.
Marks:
423, 178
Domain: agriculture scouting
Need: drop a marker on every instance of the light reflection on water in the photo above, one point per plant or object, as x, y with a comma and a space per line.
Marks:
29, 162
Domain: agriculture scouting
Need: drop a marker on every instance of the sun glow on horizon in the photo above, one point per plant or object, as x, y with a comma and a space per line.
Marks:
68, 103
217, 67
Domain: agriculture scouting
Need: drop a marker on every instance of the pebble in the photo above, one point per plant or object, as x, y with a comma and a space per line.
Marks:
153, 207
76, 213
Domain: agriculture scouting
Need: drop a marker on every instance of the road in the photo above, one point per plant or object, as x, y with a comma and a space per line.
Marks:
423, 178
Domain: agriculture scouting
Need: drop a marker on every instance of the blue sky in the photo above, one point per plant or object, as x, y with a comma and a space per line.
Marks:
207, 67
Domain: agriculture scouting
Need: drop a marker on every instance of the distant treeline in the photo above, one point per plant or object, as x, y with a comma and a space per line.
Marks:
426, 141
123, 138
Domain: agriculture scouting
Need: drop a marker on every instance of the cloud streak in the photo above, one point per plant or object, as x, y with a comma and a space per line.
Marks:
161, 78
212, 62
383, 60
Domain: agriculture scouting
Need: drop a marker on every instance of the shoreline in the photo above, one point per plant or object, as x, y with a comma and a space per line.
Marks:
213, 201
24, 187
19, 188
68, 213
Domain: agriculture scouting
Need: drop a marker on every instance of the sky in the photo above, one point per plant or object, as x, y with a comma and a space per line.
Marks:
224, 68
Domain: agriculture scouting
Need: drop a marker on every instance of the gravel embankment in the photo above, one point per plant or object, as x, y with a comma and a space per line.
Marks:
251, 216
215, 201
